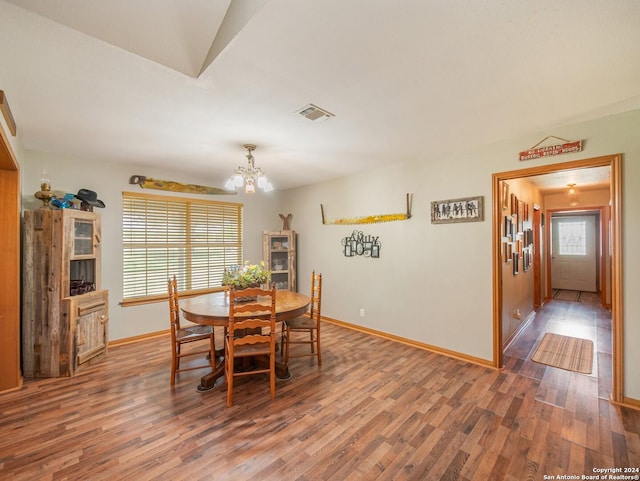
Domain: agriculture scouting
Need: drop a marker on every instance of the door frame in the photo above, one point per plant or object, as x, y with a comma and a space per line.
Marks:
614, 162
10, 375
537, 253
601, 244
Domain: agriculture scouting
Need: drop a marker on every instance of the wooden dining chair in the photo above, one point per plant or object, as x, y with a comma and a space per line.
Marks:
251, 336
184, 335
306, 329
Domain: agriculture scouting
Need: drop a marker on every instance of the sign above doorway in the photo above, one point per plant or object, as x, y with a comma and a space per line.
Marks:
567, 147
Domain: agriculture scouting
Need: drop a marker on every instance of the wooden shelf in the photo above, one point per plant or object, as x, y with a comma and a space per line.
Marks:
62, 332
279, 255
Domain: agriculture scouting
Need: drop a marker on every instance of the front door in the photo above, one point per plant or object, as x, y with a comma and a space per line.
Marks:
573, 253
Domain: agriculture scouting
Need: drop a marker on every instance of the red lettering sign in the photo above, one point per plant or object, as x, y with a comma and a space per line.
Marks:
575, 146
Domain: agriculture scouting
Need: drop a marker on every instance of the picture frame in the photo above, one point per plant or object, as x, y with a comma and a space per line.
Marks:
452, 211
508, 252
508, 228
516, 260
520, 216
514, 204
505, 196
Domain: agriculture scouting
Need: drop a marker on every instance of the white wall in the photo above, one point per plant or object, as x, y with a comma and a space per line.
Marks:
109, 181
432, 283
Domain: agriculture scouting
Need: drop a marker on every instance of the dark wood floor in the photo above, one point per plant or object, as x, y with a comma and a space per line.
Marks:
376, 410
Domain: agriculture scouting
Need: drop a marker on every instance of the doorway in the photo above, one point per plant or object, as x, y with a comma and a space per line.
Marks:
613, 162
574, 252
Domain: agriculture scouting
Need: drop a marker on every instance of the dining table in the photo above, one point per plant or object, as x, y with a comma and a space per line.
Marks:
213, 310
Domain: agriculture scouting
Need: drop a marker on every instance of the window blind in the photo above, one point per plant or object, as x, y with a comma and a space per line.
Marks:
164, 236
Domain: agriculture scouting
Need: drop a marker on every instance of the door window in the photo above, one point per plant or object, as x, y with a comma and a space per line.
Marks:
572, 238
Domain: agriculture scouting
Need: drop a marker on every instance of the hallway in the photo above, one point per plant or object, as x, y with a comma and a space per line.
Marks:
586, 417
584, 318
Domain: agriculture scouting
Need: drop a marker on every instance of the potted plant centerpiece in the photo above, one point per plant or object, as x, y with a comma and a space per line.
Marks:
249, 275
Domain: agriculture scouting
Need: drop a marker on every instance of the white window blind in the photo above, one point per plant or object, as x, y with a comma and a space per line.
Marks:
163, 236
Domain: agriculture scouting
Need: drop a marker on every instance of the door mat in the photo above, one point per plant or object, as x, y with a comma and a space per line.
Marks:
570, 353
567, 295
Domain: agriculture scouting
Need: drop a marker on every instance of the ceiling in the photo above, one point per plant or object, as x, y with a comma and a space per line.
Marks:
184, 84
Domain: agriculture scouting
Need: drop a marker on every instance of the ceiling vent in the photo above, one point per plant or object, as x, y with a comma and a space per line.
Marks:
313, 112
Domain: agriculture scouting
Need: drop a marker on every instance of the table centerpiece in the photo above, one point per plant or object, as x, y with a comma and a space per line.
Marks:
249, 275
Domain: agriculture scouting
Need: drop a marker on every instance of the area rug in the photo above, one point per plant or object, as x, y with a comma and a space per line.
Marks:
567, 295
570, 353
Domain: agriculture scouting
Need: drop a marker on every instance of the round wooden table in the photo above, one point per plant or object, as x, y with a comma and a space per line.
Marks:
213, 310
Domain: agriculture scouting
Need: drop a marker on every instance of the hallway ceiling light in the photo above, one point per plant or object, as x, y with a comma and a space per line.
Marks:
249, 176
572, 195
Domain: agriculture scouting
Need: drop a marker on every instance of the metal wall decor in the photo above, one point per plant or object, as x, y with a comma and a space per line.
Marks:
370, 219
466, 209
358, 244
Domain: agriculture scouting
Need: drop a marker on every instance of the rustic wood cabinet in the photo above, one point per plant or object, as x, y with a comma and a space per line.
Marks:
65, 312
279, 255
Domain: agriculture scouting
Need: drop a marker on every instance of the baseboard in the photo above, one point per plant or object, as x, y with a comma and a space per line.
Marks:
628, 402
18, 387
142, 337
428, 347
520, 328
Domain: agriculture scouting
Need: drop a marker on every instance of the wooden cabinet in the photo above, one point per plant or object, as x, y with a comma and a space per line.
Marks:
65, 311
279, 254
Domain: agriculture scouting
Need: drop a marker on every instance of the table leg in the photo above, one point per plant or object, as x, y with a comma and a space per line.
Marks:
208, 381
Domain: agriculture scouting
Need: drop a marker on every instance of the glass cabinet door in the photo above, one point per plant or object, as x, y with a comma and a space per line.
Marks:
82, 238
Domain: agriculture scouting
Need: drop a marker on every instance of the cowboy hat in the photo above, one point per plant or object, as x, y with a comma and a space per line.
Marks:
90, 197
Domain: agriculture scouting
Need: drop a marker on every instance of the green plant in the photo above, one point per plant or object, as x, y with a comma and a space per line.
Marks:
249, 275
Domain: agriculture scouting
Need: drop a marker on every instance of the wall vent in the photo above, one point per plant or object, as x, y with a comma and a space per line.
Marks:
313, 112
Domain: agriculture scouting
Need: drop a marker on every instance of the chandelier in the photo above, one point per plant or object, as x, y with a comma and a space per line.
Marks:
249, 176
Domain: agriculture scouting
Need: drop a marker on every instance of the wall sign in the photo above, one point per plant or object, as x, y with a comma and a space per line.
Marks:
358, 244
536, 152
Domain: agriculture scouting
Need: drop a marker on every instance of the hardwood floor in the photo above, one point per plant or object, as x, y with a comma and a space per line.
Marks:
375, 410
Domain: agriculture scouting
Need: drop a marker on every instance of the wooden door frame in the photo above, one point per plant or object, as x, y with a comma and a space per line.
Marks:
614, 162
601, 243
10, 375
537, 252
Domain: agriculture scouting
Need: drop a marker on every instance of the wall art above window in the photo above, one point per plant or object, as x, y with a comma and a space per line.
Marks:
466, 209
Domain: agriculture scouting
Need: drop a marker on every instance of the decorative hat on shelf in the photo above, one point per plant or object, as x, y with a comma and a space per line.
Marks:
89, 199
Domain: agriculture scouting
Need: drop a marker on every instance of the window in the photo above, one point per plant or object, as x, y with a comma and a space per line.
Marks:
163, 236
572, 238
